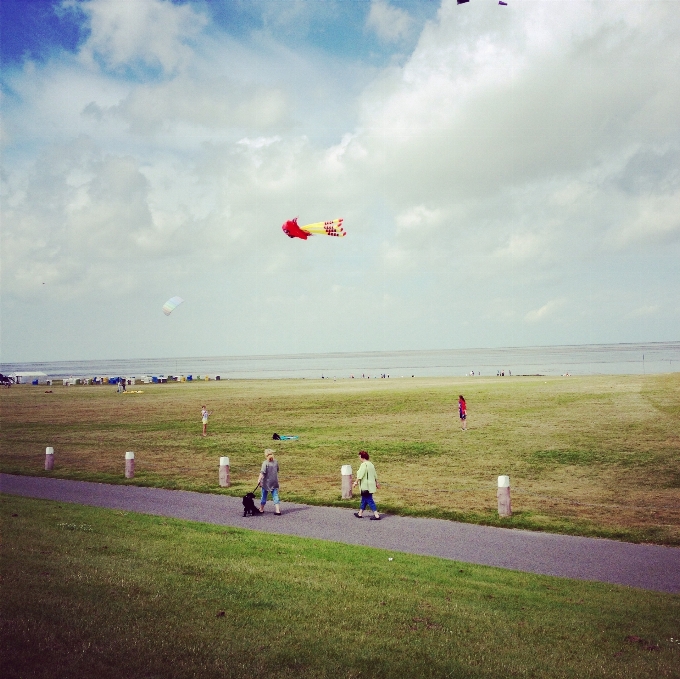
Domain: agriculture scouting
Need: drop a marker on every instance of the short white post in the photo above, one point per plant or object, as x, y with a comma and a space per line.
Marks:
129, 465
49, 459
346, 472
503, 495
225, 481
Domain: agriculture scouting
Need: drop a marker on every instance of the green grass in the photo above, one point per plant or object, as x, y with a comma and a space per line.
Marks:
593, 456
88, 592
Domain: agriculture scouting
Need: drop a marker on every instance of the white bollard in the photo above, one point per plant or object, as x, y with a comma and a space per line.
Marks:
503, 495
129, 465
49, 459
225, 481
346, 472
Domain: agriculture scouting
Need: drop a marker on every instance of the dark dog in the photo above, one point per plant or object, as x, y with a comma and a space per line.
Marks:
249, 508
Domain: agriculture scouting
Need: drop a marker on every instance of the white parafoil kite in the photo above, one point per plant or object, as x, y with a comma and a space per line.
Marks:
171, 305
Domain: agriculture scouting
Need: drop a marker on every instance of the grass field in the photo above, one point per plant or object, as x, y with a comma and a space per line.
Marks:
108, 594
592, 456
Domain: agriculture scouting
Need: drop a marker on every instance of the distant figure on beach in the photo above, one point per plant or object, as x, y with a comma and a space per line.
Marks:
204, 419
269, 481
368, 483
462, 412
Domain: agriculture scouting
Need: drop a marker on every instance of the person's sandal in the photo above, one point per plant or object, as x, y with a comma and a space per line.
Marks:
375, 518
359, 516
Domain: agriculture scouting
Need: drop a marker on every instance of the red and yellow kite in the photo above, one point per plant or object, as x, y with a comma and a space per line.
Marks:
331, 228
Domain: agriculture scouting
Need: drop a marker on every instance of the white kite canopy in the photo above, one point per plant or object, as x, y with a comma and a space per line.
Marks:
171, 305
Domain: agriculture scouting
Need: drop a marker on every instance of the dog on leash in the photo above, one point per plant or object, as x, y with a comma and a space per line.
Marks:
249, 508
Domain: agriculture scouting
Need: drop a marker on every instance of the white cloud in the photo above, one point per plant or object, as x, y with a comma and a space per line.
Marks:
547, 310
644, 311
207, 103
391, 24
509, 107
522, 246
419, 217
654, 219
134, 33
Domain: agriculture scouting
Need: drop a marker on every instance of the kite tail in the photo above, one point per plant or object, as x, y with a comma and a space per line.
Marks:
330, 228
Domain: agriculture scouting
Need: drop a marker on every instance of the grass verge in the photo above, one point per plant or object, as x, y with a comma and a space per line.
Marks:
90, 592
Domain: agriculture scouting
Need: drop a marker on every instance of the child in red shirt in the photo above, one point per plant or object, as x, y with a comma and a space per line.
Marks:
462, 411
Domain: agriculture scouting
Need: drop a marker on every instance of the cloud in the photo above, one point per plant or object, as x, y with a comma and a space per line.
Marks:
418, 217
511, 158
391, 24
652, 219
75, 220
645, 311
142, 34
211, 103
478, 109
547, 310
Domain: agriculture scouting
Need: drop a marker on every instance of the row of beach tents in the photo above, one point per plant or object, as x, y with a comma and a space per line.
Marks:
36, 378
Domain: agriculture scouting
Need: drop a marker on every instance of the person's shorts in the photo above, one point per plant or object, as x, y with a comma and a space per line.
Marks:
463, 416
274, 493
205, 420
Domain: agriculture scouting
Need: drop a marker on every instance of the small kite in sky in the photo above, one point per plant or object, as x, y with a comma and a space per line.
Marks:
331, 228
171, 305
462, 2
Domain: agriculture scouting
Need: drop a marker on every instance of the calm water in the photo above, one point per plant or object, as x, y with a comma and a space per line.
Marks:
592, 359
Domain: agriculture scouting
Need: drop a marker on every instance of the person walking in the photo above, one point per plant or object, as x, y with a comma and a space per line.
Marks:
462, 412
269, 481
368, 484
204, 419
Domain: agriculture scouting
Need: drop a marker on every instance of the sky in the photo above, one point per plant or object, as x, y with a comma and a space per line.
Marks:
508, 176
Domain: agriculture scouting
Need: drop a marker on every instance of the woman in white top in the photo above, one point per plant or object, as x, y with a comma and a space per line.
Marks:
368, 484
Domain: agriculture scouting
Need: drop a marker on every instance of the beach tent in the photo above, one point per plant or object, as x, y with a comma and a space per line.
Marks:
28, 377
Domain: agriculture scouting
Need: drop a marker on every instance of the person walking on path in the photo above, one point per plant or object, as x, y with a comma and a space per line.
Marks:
269, 480
368, 484
204, 419
462, 412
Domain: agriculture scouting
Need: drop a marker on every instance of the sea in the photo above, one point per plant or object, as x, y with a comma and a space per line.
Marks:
587, 359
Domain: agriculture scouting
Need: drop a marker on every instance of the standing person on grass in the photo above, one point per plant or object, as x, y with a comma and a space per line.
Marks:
204, 419
269, 480
462, 412
368, 484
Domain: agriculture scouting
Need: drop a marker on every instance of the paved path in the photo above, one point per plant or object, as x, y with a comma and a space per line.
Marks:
646, 566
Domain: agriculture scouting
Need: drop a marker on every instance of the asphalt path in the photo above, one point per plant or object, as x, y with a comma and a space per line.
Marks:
650, 567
